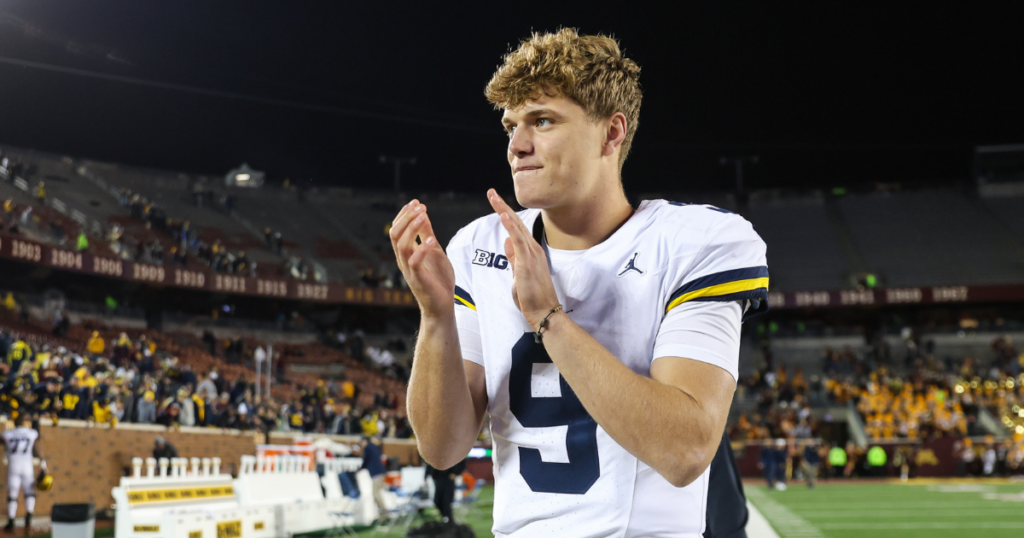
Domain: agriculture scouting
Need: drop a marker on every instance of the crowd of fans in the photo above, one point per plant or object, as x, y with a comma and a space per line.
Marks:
108, 381
183, 241
185, 238
931, 399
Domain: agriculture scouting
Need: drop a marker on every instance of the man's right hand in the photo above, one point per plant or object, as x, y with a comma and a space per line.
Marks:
425, 266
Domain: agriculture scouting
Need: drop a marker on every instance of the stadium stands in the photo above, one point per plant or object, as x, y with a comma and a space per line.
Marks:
932, 238
789, 228
919, 238
170, 375
1007, 210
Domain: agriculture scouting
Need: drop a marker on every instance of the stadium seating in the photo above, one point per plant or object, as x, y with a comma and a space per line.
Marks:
1007, 210
803, 250
932, 238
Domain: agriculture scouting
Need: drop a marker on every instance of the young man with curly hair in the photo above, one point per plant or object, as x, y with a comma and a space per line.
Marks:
600, 340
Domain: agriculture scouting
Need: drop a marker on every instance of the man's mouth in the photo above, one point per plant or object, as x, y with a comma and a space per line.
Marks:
527, 168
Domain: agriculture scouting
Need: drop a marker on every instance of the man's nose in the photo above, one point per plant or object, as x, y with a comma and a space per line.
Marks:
520, 144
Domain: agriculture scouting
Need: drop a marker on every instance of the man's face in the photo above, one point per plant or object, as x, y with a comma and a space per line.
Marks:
554, 151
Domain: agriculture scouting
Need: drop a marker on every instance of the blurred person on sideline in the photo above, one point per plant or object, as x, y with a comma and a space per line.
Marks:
810, 463
444, 489
373, 462
163, 449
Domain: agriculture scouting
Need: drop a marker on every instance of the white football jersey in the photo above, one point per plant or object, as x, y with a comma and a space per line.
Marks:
19, 443
674, 280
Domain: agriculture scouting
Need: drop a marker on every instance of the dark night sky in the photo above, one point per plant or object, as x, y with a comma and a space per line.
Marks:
826, 93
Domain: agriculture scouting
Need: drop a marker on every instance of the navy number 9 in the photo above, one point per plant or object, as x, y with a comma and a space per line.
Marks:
584, 466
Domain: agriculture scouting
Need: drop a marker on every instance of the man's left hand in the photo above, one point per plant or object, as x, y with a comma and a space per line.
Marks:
532, 288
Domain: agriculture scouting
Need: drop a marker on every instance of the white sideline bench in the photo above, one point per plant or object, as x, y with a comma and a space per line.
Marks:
183, 502
364, 511
293, 490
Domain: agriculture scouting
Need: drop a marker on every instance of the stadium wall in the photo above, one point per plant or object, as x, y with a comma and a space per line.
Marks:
87, 462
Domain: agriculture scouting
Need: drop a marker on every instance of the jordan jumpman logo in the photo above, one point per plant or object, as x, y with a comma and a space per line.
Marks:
631, 266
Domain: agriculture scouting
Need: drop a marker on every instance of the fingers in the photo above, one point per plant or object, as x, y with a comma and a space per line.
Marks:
419, 253
412, 221
517, 230
510, 253
405, 216
406, 245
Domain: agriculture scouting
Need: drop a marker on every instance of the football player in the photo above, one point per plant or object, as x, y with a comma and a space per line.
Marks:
20, 448
601, 340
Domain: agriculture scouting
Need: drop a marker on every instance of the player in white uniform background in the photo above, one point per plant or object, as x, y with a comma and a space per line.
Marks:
600, 340
20, 449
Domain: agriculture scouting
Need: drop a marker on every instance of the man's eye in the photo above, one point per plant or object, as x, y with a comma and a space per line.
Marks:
543, 122
510, 130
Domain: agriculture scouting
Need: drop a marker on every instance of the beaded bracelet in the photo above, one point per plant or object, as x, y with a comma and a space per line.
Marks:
544, 323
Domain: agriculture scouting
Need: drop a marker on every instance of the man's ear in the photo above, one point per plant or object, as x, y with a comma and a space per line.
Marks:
615, 133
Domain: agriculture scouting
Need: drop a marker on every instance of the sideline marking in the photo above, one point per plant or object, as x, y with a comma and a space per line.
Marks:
757, 525
785, 522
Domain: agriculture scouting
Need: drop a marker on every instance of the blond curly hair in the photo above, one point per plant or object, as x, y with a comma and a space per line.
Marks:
588, 69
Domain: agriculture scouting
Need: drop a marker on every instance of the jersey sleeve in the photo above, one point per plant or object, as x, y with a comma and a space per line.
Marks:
467, 321
725, 283
730, 266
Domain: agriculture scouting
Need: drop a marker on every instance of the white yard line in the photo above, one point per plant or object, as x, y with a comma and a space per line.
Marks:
925, 525
784, 521
757, 525
882, 514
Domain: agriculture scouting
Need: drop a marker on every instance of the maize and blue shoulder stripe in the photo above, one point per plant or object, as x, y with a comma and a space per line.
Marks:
732, 285
462, 297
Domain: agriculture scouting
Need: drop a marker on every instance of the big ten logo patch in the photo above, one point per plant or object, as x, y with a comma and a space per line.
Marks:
490, 259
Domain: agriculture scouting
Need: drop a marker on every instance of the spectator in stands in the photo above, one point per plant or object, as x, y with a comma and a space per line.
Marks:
47, 397
163, 449
241, 265
96, 346
309, 419
207, 389
188, 377
169, 416
187, 414
217, 408
73, 399
82, 243
104, 411
267, 421
126, 402
292, 414
229, 419
179, 258
41, 193
122, 349
350, 425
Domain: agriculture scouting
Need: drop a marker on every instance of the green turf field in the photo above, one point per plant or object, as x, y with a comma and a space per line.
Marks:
478, 517
926, 509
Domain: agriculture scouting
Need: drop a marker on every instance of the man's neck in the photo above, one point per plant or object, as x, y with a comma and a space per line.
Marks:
587, 224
